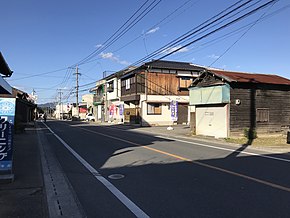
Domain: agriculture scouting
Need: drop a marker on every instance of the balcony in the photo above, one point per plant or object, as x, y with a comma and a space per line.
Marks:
98, 99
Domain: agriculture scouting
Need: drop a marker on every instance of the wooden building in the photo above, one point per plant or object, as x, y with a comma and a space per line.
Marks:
228, 103
148, 90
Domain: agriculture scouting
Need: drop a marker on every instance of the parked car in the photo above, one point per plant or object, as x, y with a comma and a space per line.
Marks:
90, 117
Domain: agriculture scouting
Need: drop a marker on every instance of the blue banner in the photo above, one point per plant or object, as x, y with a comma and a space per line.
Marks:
7, 114
174, 110
121, 109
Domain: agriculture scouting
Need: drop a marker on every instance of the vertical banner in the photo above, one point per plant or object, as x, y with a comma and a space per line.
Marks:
174, 110
7, 114
121, 109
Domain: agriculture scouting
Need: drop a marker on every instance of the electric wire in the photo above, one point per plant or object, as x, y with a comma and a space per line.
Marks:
247, 30
217, 29
116, 36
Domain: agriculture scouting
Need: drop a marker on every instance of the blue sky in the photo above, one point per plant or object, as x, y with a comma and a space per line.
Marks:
41, 39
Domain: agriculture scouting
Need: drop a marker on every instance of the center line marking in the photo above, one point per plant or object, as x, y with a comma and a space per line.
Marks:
273, 185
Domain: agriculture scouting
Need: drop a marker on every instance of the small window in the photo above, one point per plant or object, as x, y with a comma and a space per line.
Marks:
127, 83
153, 109
110, 86
184, 82
262, 115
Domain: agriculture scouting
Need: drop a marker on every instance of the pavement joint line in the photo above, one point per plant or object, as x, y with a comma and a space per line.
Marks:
116, 192
273, 185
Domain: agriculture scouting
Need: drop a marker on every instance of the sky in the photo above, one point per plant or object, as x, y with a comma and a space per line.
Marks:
44, 41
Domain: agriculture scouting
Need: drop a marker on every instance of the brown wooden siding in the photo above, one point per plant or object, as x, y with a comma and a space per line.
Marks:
277, 102
137, 85
163, 84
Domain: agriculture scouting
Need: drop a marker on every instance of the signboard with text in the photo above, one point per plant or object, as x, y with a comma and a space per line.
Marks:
121, 109
174, 110
7, 114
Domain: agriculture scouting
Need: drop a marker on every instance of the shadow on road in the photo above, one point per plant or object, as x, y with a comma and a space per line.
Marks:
211, 184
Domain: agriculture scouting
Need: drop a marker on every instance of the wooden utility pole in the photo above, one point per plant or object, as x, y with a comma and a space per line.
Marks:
60, 103
77, 90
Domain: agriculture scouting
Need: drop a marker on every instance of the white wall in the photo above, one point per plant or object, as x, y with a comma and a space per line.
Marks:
116, 93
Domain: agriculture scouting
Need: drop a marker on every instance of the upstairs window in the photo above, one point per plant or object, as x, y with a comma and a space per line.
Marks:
184, 82
110, 87
127, 81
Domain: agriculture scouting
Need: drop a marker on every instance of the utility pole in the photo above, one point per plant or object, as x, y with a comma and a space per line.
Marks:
60, 104
77, 90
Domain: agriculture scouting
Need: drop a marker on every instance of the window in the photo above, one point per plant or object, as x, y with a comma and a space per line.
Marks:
110, 87
184, 82
262, 115
127, 83
153, 109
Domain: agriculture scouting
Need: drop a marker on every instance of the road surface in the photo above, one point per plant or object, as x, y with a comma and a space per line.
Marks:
115, 172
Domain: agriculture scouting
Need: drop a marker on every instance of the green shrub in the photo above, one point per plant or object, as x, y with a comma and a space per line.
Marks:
250, 134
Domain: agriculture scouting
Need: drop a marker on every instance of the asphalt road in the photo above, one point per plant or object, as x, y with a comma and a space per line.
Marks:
121, 173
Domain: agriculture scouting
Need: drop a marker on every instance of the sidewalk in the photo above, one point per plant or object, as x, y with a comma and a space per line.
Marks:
25, 197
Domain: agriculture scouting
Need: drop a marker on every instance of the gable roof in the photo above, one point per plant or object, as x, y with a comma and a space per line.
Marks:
173, 65
250, 78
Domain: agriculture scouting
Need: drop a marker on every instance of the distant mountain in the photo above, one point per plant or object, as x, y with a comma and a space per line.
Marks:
46, 105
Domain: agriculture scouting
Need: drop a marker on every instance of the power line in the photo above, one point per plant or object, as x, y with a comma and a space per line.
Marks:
236, 31
157, 24
247, 30
160, 51
40, 74
117, 35
184, 36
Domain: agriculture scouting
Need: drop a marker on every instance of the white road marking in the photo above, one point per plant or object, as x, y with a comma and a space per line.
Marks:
273, 185
213, 147
116, 192
226, 149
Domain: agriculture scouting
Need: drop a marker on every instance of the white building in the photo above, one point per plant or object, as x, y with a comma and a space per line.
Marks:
62, 111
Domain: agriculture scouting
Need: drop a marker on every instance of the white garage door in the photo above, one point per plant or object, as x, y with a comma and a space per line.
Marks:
212, 121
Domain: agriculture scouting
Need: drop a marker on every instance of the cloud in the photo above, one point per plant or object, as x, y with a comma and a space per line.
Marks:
112, 57
153, 30
172, 49
98, 45
213, 56
108, 55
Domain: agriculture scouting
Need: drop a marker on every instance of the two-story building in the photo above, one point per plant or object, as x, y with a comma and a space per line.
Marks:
148, 90
115, 107
99, 100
